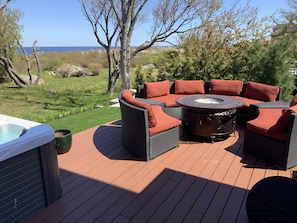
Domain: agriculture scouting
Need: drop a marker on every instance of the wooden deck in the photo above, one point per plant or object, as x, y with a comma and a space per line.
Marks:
196, 182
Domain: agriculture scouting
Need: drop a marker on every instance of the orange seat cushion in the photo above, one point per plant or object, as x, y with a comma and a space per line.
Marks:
247, 101
262, 92
189, 87
164, 121
156, 89
265, 123
128, 97
226, 87
284, 120
168, 100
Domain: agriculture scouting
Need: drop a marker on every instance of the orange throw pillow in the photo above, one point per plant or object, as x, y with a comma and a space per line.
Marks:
262, 92
156, 89
127, 96
282, 123
189, 87
226, 87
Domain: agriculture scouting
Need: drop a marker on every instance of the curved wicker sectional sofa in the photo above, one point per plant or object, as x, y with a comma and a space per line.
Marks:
271, 124
166, 92
270, 132
147, 131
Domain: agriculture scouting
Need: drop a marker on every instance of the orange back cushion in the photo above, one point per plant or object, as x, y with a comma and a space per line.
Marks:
156, 89
282, 123
189, 87
127, 96
226, 87
262, 92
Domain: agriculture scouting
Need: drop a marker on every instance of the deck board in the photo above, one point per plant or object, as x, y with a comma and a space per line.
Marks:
195, 182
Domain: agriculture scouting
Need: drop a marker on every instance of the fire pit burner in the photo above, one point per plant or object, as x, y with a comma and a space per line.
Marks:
209, 100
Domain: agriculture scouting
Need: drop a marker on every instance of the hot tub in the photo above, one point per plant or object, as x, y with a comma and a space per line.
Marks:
9, 132
29, 173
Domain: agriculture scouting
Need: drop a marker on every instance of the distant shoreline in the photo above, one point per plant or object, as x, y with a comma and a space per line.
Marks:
51, 49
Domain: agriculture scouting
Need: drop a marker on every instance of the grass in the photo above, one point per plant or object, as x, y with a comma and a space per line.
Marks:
74, 103
85, 120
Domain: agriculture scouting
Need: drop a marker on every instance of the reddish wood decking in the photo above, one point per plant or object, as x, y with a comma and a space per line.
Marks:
196, 182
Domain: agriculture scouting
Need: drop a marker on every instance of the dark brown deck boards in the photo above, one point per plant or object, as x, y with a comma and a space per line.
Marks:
196, 182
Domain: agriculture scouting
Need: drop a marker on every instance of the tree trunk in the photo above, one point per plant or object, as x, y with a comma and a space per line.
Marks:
37, 63
28, 63
109, 86
113, 70
126, 80
124, 62
8, 65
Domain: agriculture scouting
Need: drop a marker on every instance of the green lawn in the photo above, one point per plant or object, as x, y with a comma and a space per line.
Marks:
85, 120
73, 103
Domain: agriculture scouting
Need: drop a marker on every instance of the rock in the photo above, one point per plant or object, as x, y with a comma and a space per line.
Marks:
52, 91
70, 70
148, 66
34, 77
53, 73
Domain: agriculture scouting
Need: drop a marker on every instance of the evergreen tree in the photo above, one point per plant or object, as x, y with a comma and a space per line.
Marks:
272, 66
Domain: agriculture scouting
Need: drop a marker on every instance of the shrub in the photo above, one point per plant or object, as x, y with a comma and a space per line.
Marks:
95, 68
3, 75
272, 65
139, 77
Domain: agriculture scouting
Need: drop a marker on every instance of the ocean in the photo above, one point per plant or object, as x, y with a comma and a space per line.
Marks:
49, 49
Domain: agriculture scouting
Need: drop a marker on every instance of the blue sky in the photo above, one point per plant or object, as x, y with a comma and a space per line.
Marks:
62, 23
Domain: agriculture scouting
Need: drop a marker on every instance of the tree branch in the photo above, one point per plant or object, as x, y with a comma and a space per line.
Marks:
27, 61
5, 5
37, 63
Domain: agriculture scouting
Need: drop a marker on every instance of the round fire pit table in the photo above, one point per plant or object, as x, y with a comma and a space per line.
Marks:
209, 115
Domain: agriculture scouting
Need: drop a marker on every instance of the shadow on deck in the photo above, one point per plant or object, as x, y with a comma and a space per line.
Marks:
196, 182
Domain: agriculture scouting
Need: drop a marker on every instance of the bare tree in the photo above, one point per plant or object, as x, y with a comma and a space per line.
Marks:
287, 23
9, 41
102, 19
117, 20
